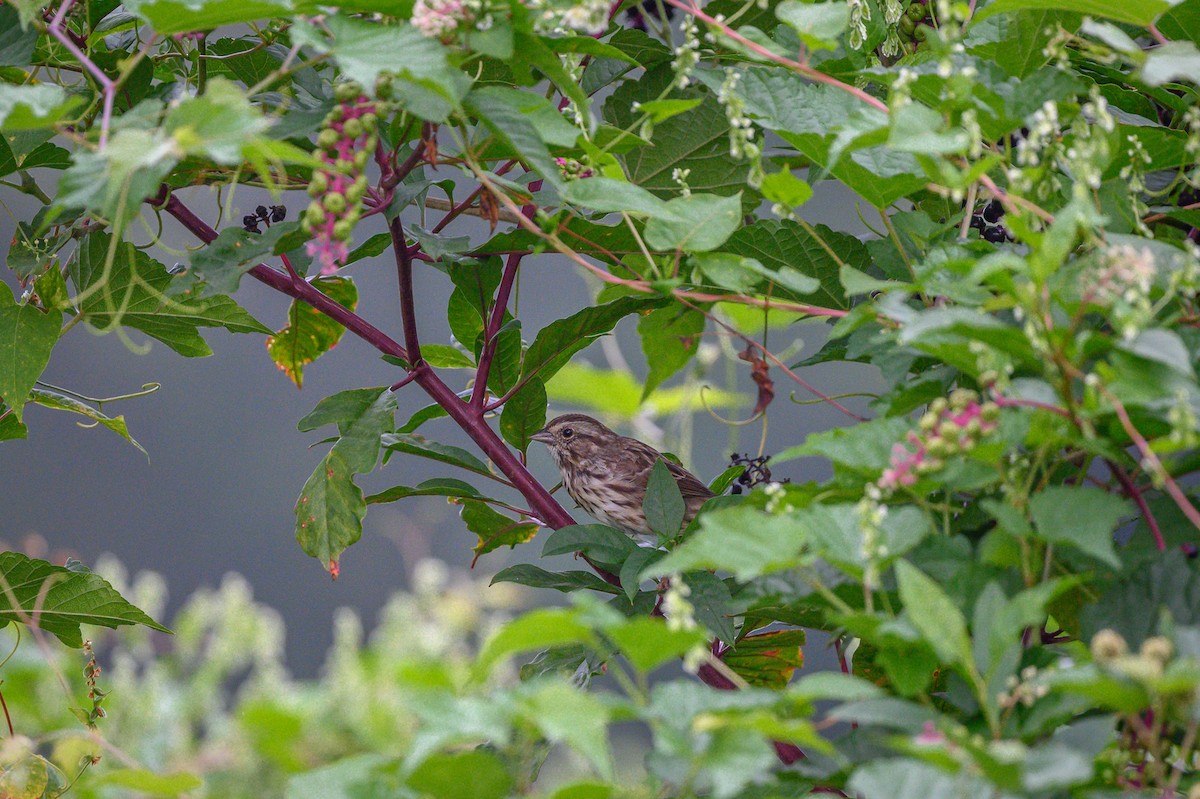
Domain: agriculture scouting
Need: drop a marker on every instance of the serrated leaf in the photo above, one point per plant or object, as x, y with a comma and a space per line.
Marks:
566, 582
494, 529
768, 660
524, 414
62, 402
309, 334
59, 599
785, 245
1057, 517
329, 512
663, 503
696, 223
133, 290
27, 337
230, 255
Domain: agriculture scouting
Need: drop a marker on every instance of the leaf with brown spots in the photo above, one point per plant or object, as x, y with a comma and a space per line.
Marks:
494, 529
330, 511
309, 334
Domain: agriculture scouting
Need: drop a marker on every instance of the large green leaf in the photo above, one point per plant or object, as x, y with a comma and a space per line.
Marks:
494, 529
567, 582
230, 255
180, 16
696, 223
426, 82
663, 503
934, 614
670, 337
502, 110
114, 181
27, 336
696, 140
34, 106
309, 334
524, 414
132, 290
217, 124
1056, 514
477, 774
785, 245
554, 344
59, 599
765, 543
1136, 12
329, 512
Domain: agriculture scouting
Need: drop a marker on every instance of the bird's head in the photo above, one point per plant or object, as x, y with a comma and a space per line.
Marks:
574, 437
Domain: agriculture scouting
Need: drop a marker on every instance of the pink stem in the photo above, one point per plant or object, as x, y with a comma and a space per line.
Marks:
107, 85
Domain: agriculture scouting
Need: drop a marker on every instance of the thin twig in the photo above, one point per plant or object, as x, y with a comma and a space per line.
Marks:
1135, 494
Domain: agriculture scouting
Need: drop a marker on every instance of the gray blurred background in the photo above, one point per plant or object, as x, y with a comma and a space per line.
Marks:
227, 462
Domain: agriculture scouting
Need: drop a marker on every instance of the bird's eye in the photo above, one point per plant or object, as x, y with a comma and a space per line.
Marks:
567, 432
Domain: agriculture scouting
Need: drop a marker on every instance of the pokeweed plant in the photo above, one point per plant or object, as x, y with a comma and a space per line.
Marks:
1007, 522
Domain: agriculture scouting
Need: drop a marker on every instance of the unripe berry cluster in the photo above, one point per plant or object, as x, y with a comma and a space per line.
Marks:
950, 427
344, 145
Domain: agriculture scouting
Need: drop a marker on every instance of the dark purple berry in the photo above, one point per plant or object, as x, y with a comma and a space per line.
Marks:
993, 211
278, 213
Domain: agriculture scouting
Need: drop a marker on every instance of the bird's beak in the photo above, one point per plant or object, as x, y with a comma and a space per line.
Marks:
543, 435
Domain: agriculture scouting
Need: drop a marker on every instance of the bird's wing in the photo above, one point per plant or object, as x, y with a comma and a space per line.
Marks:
642, 458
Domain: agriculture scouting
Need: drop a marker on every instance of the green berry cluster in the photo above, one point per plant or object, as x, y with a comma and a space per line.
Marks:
910, 28
344, 145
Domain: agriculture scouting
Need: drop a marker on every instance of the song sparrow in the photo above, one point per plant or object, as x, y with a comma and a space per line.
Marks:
606, 473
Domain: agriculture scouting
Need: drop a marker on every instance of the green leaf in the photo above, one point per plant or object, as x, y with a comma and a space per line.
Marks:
1057, 517
132, 291
340, 409
597, 541
230, 255
785, 245
554, 344
609, 195
62, 402
919, 129
567, 714
502, 111
670, 337
764, 543
27, 336
309, 334
768, 660
1140, 12
934, 614
566, 582
819, 24
533, 50
29, 107
696, 223
443, 356
217, 124
696, 140
662, 110
1174, 61
144, 781
61, 598
359, 443
494, 529
17, 42
114, 181
437, 487
537, 629
663, 503
463, 775
418, 445
180, 16
711, 598
786, 189
426, 83
10, 428
865, 447
524, 414
619, 393
329, 512
633, 567
898, 778
348, 778
648, 643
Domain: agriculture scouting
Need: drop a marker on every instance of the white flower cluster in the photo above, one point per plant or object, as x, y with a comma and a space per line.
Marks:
741, 129
871, 513
1184, 425
860, 15
902, 88
1191, 122
680, 178
677, 610
1123, 281
439, 19
1043, 133
687, 55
